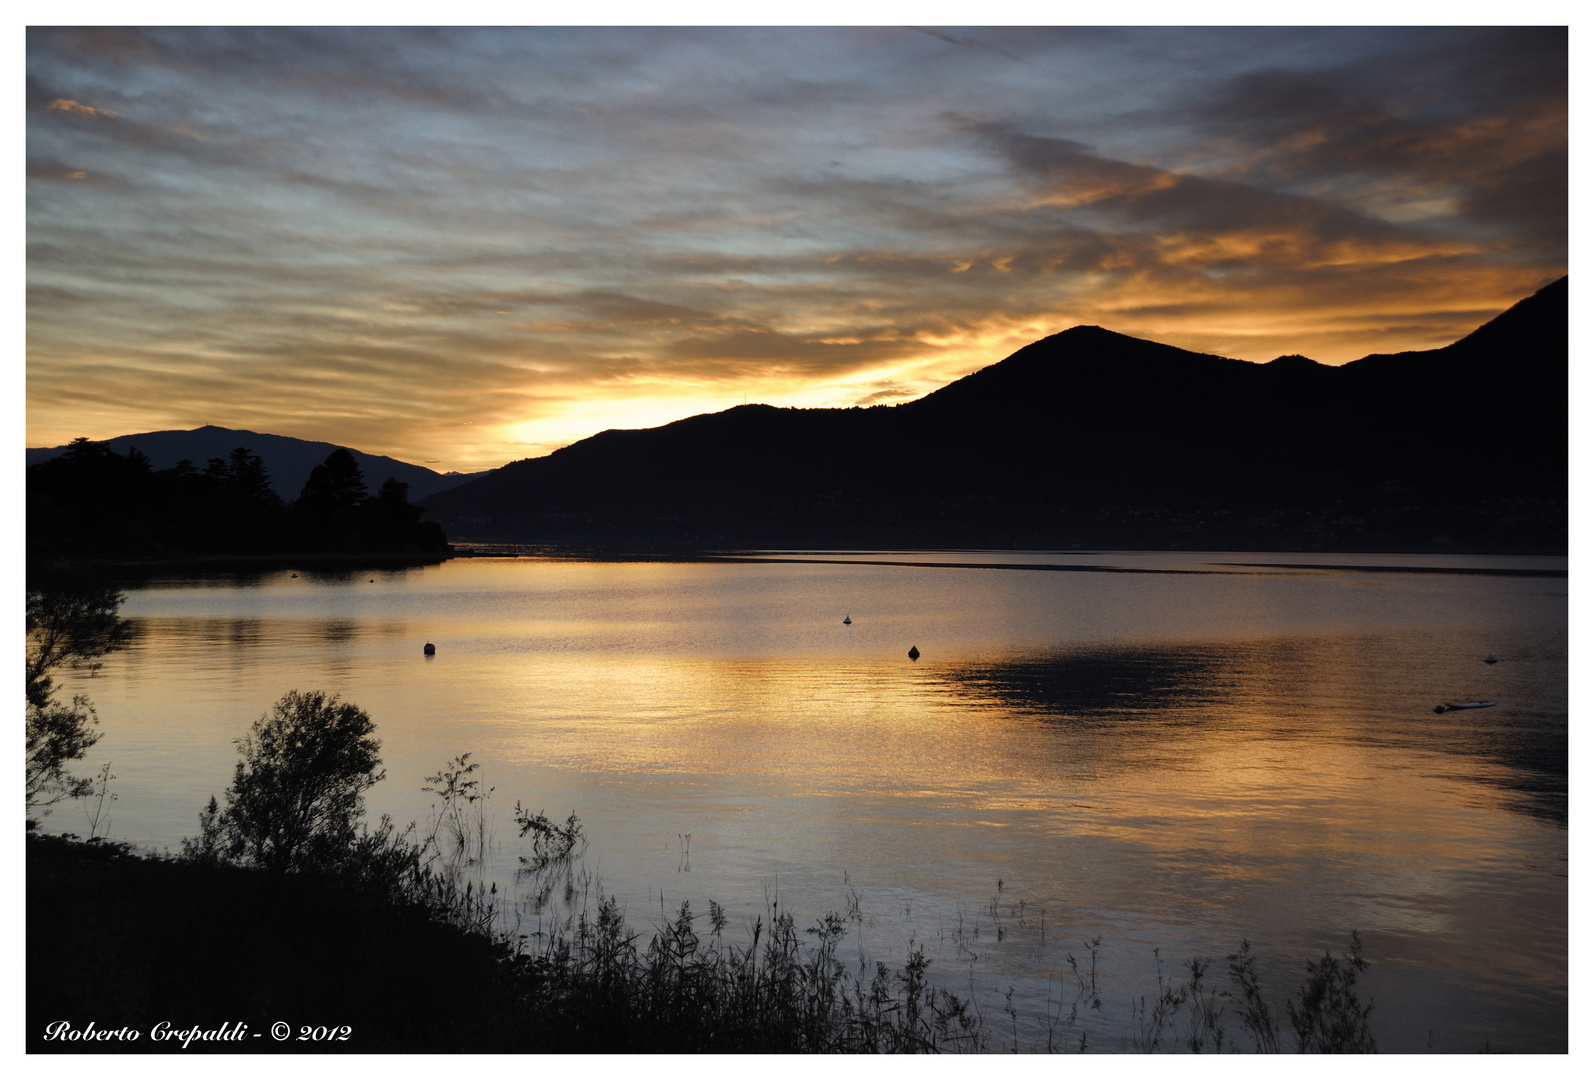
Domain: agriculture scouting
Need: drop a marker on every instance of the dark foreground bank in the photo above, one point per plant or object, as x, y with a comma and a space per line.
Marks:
116, 940
139, 952
131, 954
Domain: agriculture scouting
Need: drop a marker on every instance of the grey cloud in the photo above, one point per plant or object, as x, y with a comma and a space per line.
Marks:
968, 41
1155, 198
39, 95
1531, 194
1494, 136
323, 60
1431, 81
55, 171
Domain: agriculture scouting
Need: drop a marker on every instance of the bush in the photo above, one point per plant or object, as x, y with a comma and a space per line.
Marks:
298, 790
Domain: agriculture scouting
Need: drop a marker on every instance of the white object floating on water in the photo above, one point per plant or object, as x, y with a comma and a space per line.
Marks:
1491, 659
430, 650
913, 652
847, 621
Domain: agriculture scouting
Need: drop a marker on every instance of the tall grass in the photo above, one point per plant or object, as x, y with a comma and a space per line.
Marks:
583, 979
460, 832
590, 981
598, 986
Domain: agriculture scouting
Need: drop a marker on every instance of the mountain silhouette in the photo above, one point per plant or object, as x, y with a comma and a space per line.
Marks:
1093, 438
288, 461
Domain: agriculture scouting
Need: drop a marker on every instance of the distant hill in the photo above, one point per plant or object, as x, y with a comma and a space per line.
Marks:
288, 460
1092, 438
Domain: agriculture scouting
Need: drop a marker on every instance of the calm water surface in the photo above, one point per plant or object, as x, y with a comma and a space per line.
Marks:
1169, 752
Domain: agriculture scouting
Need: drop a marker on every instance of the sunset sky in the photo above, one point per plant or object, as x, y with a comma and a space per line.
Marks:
463, 247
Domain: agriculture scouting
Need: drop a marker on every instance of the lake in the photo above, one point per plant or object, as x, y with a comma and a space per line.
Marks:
1169, 752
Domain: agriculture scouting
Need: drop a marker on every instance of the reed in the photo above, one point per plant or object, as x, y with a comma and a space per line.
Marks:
595, 985
587, 981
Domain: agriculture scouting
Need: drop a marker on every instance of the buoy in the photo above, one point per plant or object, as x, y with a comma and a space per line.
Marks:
1490, 659
373, 581
430, 650
847, 621
913, 653
293, 575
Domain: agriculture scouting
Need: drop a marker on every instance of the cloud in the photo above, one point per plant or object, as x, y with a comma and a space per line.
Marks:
1068, 174
970, 41
774, 353
1488, 145
1529, 196
886, 392
466, 244
77, 108
51, 170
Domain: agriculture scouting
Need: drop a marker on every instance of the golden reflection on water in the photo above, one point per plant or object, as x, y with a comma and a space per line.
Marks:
1165, 761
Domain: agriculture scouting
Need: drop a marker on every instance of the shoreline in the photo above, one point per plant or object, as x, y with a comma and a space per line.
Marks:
204, 565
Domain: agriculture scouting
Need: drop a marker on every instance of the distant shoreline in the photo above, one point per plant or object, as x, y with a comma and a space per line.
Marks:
801, 556
264, 561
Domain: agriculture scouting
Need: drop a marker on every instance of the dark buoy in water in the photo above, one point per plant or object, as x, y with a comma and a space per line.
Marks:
913, 652
1491, 659
373, 581
430, 650
1438, 708
847, 621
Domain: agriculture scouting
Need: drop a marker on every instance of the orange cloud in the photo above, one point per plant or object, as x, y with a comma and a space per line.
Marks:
77, 108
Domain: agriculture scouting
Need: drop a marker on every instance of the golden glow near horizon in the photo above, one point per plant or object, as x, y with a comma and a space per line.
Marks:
464, 247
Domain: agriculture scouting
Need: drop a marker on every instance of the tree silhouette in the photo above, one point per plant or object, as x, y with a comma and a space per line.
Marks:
299, 788
249, 508
92, 501
67, 626
327, 506
336, 483
247, 479
390, 522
